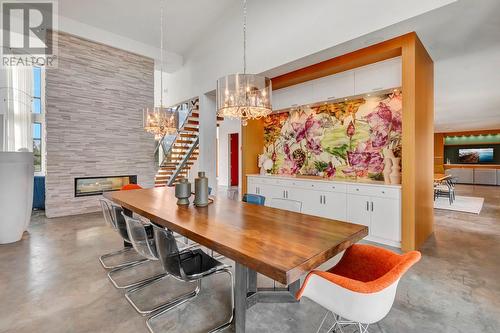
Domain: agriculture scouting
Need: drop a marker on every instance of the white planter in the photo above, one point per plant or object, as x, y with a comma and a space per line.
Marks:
16, 194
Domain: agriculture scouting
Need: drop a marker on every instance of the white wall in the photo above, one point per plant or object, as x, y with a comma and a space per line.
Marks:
228, 126
208, 134
281, 31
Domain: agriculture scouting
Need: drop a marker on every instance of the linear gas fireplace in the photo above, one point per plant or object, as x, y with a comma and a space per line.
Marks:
86, 186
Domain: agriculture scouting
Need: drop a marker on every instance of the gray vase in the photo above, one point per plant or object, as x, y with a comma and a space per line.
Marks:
183, 192
201, 190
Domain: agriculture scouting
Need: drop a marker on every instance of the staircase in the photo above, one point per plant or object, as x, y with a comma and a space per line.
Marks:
181, 150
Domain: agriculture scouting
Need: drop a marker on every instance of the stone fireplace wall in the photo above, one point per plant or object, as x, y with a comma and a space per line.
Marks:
94, 121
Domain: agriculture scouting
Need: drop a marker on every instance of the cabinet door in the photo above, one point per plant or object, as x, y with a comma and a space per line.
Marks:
385, 219
333, 87
379, 76
311, 201
334, 206
292, 96
252, 186
269, 192
358, 209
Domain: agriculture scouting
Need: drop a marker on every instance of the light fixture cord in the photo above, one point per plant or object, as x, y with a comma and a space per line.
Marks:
244, 36
161, 54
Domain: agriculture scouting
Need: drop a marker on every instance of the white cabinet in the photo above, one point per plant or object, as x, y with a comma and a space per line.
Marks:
485, 176
379, 76
333, 87
376, 206
464, 176
292, 96
358, 209
379, 209
385, 224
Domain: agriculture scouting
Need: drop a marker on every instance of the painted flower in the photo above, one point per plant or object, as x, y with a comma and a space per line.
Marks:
350, 130
357, 160
330, 170
286, 150
396, 122
299, 157
376, 163
314, 145
381, 119
379, 138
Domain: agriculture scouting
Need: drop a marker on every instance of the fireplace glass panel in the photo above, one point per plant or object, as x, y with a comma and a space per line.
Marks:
97, 185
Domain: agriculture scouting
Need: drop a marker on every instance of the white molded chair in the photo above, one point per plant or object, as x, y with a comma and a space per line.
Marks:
361, 288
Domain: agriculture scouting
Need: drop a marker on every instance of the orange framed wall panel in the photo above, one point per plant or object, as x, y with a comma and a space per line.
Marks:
252, 143
438, 153
418, 127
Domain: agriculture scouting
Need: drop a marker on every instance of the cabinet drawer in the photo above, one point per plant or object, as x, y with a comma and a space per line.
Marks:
333, 187
376, 191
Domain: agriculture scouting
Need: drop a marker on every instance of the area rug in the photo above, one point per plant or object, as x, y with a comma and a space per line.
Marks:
461, 204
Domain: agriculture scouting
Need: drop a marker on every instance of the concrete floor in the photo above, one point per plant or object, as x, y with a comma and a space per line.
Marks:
51, 281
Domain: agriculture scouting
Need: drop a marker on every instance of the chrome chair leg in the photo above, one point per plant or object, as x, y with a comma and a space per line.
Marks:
133, 284
231, 318
171, 306
218, 328
162, 306
323, 321
112, 254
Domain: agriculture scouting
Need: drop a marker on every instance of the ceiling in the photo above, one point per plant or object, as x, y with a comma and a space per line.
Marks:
463, 39
185, 20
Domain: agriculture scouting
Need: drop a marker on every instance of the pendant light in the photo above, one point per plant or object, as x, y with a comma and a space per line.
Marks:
244, 96
160, 120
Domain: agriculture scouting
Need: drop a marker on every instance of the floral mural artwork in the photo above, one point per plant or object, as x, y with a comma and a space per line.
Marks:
341, 140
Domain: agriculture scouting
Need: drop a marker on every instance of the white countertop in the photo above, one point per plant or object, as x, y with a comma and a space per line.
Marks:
342, 181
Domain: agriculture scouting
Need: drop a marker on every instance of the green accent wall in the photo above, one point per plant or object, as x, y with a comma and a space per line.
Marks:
472, 139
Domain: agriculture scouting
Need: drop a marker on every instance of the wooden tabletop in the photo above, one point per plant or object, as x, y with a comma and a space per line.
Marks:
280, 244
439, 177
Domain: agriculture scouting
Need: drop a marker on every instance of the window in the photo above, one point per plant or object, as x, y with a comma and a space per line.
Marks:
38, 119
37, 90
37, 146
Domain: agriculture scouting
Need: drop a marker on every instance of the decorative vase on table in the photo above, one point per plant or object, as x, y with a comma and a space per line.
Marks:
183, 192
395, 171
387, 170
201, 190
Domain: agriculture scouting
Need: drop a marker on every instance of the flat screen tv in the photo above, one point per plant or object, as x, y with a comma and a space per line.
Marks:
475, 155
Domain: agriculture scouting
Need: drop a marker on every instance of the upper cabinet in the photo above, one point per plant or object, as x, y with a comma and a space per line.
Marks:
364, 80
292, 96
379, 76
333, 87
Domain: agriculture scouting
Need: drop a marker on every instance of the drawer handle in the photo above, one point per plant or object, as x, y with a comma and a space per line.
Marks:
376, 89
357, 189
331, 97
383, 192
294, 105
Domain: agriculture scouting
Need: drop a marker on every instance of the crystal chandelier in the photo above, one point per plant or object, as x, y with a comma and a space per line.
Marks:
160, 120
244, 96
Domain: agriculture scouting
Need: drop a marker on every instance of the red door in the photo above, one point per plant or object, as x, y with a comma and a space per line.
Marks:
234, 156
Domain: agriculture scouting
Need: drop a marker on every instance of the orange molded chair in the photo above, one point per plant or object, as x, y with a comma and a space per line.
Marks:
131, 187
361, 288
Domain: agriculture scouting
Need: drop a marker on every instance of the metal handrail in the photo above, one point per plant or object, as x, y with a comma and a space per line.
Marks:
181, 165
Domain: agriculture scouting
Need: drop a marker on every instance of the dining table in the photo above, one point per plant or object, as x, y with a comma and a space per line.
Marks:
440, 177
282, 245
